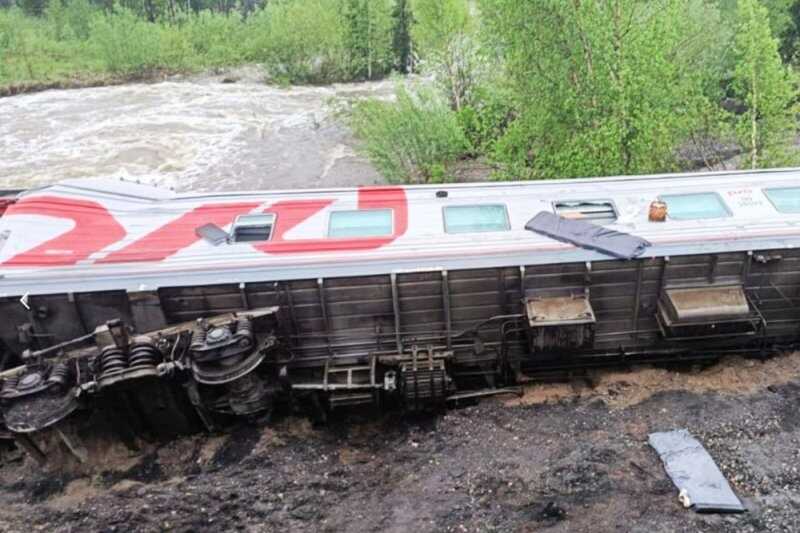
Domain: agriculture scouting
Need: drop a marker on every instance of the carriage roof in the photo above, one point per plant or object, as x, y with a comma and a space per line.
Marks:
100, 234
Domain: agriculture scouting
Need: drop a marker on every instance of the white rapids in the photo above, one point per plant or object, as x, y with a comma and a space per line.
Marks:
194, 134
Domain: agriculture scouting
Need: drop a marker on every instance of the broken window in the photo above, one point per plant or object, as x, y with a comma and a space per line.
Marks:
475, 218
594, 211
252, 228
785, 199
695, 206
361, 223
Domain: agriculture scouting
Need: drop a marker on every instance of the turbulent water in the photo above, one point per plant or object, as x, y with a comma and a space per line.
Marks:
193, 134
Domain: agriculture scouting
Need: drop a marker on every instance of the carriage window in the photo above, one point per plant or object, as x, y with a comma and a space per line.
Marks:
695, 206
785, 199
475, 218
361, 223
252, 228
595, 211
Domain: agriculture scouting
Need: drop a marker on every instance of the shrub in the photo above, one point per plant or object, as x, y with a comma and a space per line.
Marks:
125, 42
486, 117
299, 41
78, 14
213, 37
415, 138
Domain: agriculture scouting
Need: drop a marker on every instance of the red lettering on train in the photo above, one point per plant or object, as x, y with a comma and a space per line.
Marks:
179, 233
94, 229
291, 213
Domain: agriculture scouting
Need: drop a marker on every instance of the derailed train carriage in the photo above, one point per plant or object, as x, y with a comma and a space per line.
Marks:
155, 313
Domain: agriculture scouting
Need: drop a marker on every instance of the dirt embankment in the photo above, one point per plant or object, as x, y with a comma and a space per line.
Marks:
574, 460
86, 81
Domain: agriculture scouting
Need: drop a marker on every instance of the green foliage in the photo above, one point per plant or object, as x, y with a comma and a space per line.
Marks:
78, 14
444, 33
33, 8
30, 52
415, 138
601, 88
768, 126
367, 37
56, 15
545, 88
125, 42
402, 19
299, 41
211, 36
486, 119
437, 23
784, 16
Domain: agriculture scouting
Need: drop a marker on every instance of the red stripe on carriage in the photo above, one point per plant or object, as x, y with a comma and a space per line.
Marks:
178, 234
94, 229
291, 213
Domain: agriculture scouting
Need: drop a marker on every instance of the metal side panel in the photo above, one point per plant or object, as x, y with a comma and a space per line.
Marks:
706, 303
559, 311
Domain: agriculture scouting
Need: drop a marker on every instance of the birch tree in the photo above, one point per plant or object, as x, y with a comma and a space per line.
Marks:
603, 86
768, 126
367, 37
443, 33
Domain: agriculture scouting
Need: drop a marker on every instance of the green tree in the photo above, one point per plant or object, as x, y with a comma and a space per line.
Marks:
443, 31
126, 43
299, 41
603, 87
33, 7
402, 19
367, 37
56, 15
784, 16
768, 126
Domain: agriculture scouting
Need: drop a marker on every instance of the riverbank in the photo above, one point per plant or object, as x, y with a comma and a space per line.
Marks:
89, 80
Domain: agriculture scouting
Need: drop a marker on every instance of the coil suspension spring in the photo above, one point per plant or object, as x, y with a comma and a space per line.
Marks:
10, 385
244, 327
144, 353
199, 334
112, 359
60, 374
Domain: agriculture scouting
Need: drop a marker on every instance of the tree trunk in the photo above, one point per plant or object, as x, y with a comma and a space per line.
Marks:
753, 117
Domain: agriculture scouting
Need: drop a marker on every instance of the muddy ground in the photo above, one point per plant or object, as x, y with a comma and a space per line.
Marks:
564, 457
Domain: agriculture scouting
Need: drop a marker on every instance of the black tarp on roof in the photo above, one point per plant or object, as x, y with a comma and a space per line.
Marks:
587, 235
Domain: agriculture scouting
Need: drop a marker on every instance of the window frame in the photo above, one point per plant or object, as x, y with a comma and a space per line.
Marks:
457, 206
766, 192
236, 226
381, 236
608, 201
718, 196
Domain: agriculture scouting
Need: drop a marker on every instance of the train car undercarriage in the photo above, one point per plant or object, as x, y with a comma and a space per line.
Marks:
154, 365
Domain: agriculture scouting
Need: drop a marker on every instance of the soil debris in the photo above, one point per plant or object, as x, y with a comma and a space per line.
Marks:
576, 463
731, 375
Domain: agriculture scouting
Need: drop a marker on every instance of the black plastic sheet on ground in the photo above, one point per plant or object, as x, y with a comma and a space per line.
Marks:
587, 235
700, 483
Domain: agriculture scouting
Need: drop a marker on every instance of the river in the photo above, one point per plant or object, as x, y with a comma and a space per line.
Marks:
199, 133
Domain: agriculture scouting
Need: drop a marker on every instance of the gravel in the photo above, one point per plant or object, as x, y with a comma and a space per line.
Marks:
576, 464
